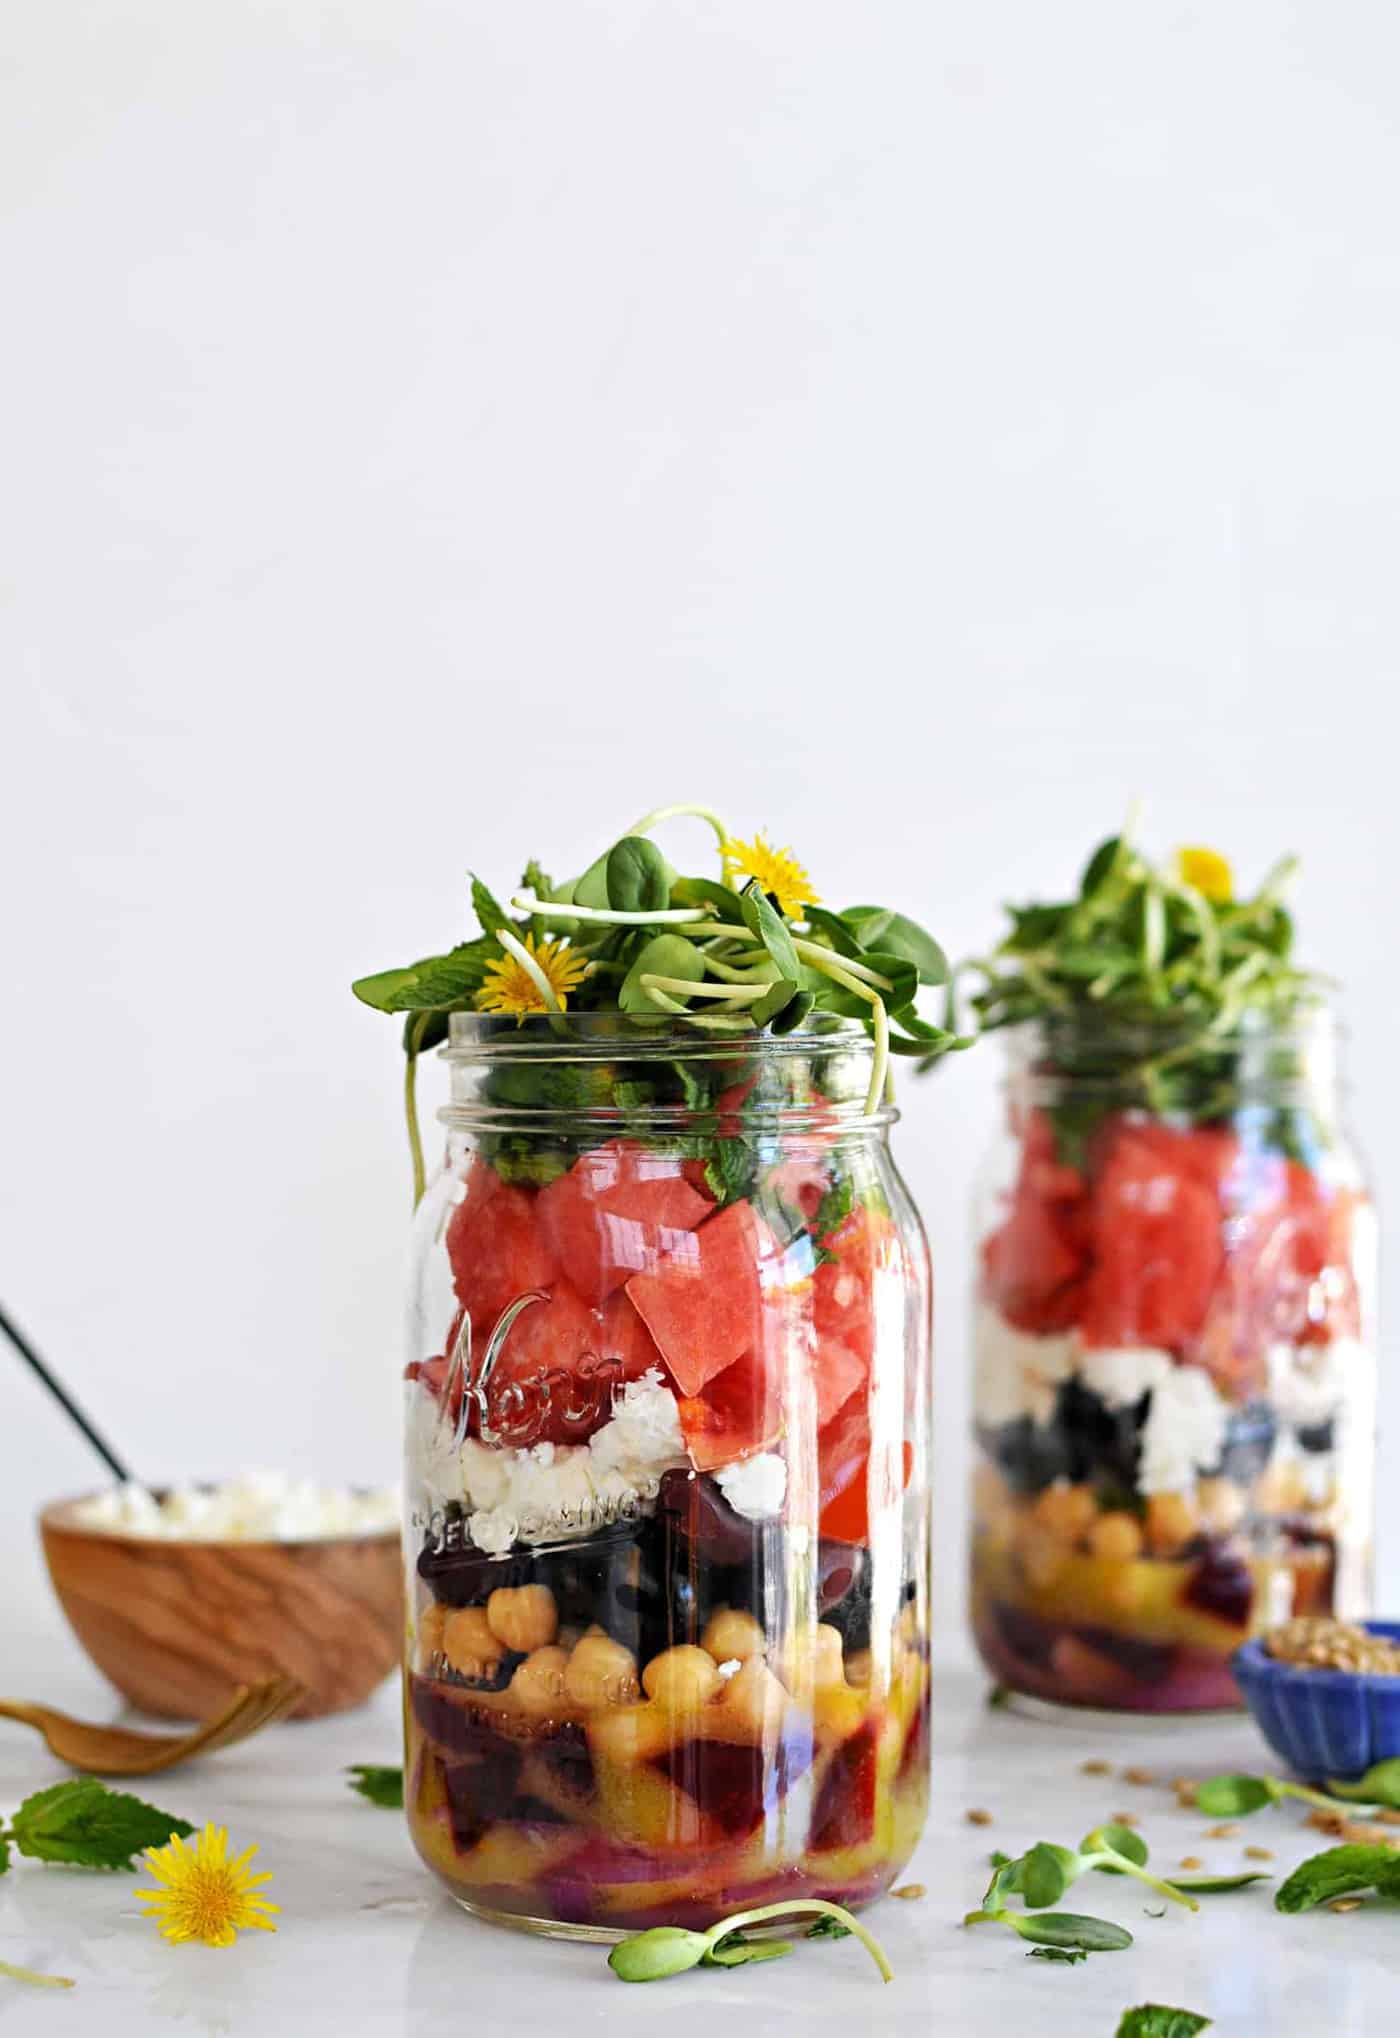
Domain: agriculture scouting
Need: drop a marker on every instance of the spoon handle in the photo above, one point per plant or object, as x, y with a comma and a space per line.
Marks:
64, 1398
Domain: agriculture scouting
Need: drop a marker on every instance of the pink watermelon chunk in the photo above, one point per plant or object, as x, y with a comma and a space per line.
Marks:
619, 1211
497, 1252
702, 1303
838, 1373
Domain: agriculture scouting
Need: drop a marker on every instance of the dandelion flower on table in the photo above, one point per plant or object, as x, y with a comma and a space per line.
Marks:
203, 1894
777, 870
510, 987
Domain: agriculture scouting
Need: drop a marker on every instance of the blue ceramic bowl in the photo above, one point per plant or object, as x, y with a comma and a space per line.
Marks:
1323, 1722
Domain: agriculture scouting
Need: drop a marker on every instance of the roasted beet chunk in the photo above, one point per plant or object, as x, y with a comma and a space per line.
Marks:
1220, 1584
844, 1815
735, 1786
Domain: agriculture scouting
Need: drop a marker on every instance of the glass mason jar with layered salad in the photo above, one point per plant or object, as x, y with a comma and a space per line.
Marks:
1174, 1363
666, 1477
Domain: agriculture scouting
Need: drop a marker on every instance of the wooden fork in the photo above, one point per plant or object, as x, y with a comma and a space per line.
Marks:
117, 1751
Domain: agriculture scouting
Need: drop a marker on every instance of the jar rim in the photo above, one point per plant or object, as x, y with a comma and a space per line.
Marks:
616, 1036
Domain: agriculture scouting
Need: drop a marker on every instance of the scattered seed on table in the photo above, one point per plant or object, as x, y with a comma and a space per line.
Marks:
978, 1817
1185, 1783
1125, 1818
1189, 1861
1095, 1768
1258, 1854
1345, 1903
1226, 1832
910, 1891
1138, 1776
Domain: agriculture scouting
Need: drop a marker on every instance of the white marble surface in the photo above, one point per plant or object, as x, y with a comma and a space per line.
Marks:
368, 1944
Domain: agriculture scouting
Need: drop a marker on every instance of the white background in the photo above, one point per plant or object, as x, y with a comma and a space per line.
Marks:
433, 434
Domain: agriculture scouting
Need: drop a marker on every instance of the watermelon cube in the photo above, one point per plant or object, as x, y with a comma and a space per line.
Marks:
497, 1252
618, 1211
1158, 1241
738, 1411
702, 1303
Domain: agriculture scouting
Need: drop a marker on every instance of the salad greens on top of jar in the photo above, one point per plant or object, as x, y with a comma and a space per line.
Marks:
749, 948
1175, 1340
666, 1397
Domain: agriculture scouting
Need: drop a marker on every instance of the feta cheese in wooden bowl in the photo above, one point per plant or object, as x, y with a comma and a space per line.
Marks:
181, 1595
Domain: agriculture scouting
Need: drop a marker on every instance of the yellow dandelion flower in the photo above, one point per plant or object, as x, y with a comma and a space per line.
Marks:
204, 1895
777, 871
1208, 872
510, 987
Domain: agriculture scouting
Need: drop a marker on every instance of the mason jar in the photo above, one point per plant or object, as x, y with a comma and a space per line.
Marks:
1174, 1359
666, 1478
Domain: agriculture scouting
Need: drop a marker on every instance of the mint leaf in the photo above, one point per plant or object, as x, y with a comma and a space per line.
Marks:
85, 1823
1069, 1955
381, 1783
1339, 1871
828, 1928
439, 983
488, 909
1157, 2020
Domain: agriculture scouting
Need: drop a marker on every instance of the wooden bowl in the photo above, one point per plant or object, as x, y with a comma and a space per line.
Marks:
178, 1626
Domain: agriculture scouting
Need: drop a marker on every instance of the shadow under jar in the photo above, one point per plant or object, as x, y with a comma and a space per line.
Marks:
666, 1479
1174, 1361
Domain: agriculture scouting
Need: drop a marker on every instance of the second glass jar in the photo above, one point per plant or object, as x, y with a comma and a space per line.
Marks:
1174, 1363
666, 1479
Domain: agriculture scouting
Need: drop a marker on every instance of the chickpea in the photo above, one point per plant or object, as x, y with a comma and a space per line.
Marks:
1171, 1522
682, 1678
523, 1617
729, 1634
755, 1696
1043, 1561
1065, 1510
810, 1659
602, 1672
538, 1682
468, 1643
1116, 1538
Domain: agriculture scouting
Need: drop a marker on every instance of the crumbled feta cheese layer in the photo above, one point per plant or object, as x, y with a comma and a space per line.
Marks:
258, 1507
1121, 1376
1184, 1434
756, 1487
1308, 1384
548, 1491
1016, 1373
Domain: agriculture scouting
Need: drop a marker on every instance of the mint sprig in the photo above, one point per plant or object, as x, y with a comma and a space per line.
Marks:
380, 1782
83, 1823
1158, 2020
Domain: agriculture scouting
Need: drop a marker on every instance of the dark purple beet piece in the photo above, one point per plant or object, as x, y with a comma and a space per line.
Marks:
1220, 1584
735, 1785
567, 1758
844, 1814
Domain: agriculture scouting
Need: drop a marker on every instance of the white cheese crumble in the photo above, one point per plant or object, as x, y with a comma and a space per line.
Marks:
1309, 1383
1015, 1373
549, 1490
260, 1507
1120, 1376
1184, 1433
756, 1487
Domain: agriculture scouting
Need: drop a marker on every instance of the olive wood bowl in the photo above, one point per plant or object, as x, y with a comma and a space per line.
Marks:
178, 1626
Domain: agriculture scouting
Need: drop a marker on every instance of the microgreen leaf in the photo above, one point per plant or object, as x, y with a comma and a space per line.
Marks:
1339, 1871
1043, 1874
381, 1783
1220, 1885
4, 1853
1069, 1956
657, 1954
773, 1003
770, 928
828, 1928
741, 1952
1069, 1929
638, 876
1380, 1785
1122, 1840
1157, 2020
665, 955
895, 934
1236, 1797
707, 891
670, 1949
83, 1822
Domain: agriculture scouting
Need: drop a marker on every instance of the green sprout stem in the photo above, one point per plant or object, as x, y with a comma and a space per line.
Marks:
737, 994
660, 814
609, 916
796, 1908
415, 1137
813, 952
1108, 1857
821, 959
36, 1980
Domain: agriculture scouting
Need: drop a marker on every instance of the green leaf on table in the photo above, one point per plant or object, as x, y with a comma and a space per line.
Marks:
488, 909
4, 1853
657, 1954
1157, 2020
828, 1928
1219, 1885
638, 876
439, 983
1235, 1797
85, 1823
1070, 1929
877, 927
1069, 1956
1380, 1785
1339, 1871
380, 1782
771, 929
1042, 1875
1122, 1839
